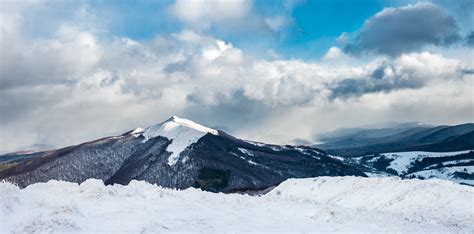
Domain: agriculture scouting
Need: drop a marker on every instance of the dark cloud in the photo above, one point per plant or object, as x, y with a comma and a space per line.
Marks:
177, 66
470, 39
462, 10
467, 71
380, 81
398, 30
379, 73
358, 87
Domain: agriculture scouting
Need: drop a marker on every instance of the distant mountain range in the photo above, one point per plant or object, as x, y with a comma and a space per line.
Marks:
398, 138
408, 150
177, 153
456, 166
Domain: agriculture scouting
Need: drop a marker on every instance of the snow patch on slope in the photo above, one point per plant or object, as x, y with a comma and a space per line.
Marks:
182, 133
256, 143
247, 152
137, 132
402, 160
324, 204
447, 173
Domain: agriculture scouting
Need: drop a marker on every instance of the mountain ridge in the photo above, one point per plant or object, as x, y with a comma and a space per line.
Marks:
434, 138
211, 160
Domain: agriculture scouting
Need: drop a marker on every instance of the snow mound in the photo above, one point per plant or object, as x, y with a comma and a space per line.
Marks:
182, 132
324, 204
441, 201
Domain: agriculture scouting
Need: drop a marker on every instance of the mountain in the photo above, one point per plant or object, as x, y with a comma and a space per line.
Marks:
464, 141
371, 132
176, 153
409, 150
398, 138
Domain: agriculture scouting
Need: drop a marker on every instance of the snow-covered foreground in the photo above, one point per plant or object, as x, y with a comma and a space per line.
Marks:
319, 204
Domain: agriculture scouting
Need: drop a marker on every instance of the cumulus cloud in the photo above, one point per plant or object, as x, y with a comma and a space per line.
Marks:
394, 31
334, 53
50, 59
232, 16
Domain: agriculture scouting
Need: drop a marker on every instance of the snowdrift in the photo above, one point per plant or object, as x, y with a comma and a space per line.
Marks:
315, 204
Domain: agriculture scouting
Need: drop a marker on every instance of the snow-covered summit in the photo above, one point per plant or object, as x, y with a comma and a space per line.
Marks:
175, 126
182, 132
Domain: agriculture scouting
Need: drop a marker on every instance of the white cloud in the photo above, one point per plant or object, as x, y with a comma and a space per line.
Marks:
189, 36
334, 53
428, 66
201, 13
48, 60
232, 16
278, 23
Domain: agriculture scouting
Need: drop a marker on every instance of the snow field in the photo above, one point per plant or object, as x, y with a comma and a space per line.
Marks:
314, 204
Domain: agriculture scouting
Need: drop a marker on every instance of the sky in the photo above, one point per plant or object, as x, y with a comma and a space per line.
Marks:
73, 71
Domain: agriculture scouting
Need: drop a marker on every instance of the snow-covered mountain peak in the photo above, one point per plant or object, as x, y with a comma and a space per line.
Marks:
175, 122
182, 132
137, 131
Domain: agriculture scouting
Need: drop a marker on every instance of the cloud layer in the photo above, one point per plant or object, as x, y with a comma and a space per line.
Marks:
73, 84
